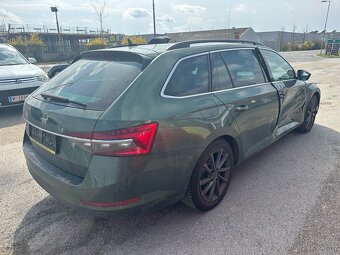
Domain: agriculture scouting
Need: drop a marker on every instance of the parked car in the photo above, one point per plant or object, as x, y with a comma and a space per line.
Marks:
18, 76
128, 129
56, 69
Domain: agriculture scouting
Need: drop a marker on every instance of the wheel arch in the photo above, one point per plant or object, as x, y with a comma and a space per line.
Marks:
318, 96
234, 146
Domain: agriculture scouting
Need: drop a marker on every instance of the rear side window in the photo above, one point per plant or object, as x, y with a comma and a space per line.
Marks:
190, 77
279, 68
97, 83
244, 67
220, 75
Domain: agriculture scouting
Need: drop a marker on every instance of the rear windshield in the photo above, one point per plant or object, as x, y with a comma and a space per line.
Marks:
96, 83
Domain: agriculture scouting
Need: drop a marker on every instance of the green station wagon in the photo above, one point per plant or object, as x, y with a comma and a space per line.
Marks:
127, 129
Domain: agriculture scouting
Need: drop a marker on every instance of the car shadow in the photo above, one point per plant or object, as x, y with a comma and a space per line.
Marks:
11, 116
50, 227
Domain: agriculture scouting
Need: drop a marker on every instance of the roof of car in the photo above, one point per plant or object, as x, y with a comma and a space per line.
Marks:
6, 46
154, 50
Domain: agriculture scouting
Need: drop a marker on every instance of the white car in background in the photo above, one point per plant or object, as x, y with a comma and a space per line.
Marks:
18, 76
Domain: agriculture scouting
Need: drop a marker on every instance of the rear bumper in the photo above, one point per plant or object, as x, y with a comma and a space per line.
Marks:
154, 180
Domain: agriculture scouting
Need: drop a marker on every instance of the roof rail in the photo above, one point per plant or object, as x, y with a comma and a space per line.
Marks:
186, 44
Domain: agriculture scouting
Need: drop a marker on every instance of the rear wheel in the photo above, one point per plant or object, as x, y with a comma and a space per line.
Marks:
211, 177
310, 115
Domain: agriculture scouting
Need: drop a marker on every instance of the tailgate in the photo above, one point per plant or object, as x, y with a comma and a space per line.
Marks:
49, 129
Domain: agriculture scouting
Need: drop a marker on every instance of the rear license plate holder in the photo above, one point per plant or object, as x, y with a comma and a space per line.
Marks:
45, 140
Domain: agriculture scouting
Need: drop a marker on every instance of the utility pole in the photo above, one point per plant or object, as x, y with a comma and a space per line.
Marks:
55, 10
324, 31
154, 18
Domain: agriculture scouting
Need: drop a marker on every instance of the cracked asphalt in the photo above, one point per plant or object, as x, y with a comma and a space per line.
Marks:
284, 200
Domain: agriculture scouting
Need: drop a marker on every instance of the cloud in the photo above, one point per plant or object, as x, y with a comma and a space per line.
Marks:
239, 7
9, 17
189, 9
136, 13
166, 18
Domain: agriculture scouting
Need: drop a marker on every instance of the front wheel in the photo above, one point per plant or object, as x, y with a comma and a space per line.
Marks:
310, 115
211, 177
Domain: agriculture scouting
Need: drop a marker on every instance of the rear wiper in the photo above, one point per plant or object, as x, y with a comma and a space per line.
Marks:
61, 99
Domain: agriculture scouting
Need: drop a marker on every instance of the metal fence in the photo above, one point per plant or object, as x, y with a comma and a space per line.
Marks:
27, 28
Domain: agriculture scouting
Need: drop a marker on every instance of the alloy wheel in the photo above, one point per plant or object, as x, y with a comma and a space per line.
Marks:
311, 113
215, 175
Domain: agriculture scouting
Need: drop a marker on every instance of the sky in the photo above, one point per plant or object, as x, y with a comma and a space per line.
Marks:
135, 16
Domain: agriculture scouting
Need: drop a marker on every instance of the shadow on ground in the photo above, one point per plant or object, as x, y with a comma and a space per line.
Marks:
247, 211
11, 116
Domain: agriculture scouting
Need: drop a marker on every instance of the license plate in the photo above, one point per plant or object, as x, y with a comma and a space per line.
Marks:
17, 99
43, 139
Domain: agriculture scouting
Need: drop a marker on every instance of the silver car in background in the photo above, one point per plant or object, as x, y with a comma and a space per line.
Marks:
18, 76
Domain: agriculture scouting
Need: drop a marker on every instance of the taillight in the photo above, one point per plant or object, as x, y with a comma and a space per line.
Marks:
132, 141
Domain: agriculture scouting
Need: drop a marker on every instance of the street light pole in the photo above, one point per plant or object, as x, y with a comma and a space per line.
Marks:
55, 10
154, 18
324, 31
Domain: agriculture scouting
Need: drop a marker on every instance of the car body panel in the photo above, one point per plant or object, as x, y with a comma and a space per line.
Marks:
186, 127
257, 123
62, 121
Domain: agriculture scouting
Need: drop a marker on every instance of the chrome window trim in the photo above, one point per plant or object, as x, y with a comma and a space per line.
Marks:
210, 92
80, 139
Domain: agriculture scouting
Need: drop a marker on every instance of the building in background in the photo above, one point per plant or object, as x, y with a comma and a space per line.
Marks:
246, 33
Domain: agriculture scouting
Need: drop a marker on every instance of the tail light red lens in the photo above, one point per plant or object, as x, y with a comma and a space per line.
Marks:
132, 141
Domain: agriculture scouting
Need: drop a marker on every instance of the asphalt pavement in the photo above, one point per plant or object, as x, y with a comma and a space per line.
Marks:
284, 200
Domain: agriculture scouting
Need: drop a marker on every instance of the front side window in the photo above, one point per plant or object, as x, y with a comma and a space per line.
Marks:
191, 77
244, 67
278, 67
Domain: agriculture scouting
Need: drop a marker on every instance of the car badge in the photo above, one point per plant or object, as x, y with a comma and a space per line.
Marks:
44, 119
18, 81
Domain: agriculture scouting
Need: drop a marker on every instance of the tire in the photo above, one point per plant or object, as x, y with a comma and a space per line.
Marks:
310, 115
211, 177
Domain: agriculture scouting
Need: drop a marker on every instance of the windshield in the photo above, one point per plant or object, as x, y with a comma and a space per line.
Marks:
10, 56
96, 83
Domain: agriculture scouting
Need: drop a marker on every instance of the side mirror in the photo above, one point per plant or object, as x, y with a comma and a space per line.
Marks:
32, 60
303, 75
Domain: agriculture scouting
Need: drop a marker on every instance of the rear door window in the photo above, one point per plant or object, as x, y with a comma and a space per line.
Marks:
190, 77
96, 83
244, 67
220, 75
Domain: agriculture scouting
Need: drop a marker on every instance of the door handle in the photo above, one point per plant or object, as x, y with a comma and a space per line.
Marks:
242, 108
282, 96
